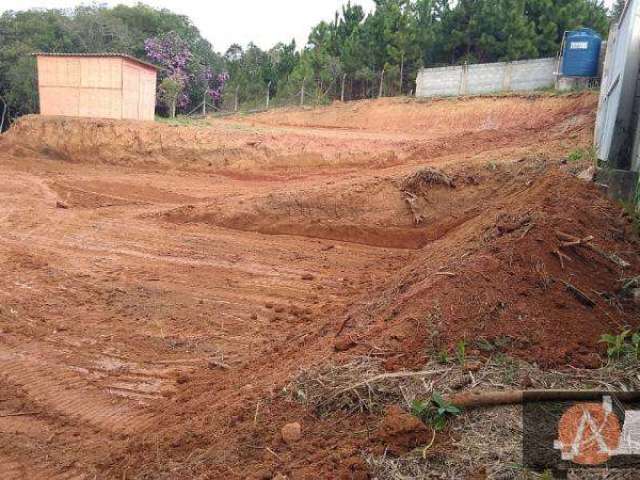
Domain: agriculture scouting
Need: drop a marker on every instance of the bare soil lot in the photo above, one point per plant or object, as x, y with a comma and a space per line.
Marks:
163, 284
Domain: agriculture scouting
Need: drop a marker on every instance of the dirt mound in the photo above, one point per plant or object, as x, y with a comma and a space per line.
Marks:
377, 211
429, 130
503, 282
434, 117
214, 146
400, 210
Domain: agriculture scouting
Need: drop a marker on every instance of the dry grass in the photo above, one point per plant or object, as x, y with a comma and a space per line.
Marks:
491, 437
425, 178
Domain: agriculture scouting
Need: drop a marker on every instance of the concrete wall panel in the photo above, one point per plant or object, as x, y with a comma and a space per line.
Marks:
486, 78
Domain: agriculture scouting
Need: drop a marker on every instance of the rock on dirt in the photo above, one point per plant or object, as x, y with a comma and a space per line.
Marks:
291, 433
635, 294
354, 469
61, 204
402, 432
344, 344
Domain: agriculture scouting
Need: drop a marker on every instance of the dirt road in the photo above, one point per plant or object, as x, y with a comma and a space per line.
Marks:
162, 284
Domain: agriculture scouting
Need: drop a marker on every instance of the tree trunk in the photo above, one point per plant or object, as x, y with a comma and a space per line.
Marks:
204, 106
401, 72
381, 83
302, 92
236, 106
344, 80
173, 109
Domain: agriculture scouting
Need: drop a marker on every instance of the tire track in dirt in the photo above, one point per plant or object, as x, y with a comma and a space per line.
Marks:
65, 393
11, 469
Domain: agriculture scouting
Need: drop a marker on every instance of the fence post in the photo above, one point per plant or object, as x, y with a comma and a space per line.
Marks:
464, 79
304, 80
236, 103
4, 113
268, 94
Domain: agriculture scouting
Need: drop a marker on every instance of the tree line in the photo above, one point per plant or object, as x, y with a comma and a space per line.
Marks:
355, 55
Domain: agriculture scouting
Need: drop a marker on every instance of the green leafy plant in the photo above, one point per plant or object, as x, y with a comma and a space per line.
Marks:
435, 411
582, 154
615, 343
635, 344
443, 357
575, 155
633, 213
461, 352
624, 346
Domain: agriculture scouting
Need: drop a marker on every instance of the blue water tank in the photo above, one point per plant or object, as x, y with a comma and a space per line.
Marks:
581, 53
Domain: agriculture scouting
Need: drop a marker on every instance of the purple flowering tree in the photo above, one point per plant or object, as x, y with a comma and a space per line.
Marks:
209, 84
178, 63
173, 55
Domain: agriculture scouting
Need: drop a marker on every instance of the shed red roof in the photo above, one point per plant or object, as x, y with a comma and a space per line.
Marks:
105, 54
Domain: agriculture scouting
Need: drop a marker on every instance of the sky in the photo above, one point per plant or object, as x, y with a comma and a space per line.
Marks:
224, 22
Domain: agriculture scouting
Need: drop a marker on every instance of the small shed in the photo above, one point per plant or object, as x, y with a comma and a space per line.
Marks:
99, 85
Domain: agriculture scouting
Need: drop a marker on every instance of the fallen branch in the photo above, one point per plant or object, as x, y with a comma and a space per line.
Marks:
469, 400
412, 201
572, 241
17, 414
580, 295
343, 325
562, 256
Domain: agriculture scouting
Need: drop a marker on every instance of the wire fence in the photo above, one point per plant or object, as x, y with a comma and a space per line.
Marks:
261, 97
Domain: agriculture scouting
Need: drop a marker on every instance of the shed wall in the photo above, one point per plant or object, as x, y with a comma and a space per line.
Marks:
138, 88
99, 87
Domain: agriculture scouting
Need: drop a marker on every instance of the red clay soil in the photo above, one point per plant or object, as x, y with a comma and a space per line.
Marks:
162, 284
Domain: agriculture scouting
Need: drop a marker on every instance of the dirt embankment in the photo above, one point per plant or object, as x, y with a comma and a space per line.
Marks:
380, 136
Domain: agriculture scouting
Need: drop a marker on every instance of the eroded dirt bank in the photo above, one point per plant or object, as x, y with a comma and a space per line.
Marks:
165, 285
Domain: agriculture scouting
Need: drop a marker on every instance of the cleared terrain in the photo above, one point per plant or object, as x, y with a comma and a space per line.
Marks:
164, 285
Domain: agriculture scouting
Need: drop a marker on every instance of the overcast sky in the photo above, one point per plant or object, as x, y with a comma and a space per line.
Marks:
224, 22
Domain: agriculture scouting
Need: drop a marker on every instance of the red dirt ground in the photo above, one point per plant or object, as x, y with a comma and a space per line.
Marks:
149, 325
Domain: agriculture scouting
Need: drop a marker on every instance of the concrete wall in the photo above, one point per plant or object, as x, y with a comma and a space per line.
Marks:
486, 78
617, 132
99, 87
